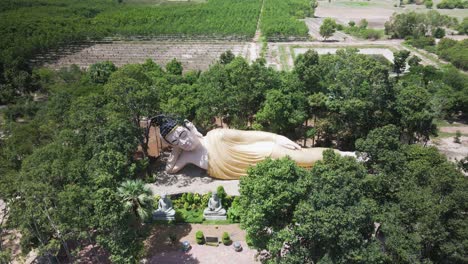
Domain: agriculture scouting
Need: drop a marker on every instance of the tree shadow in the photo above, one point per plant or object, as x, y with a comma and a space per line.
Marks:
164, 244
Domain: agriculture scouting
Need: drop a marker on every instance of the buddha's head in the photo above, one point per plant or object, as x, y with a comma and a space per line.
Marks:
214, 195
164, 196
183, 134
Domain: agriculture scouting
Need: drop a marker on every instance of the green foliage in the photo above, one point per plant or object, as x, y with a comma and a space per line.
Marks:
454, 51
222, 195
268, 198
412, 103
363, 32
416, 25
226, 239
463, 27
428, 3
280, 18
451, 4
101, 71
234, 212
399, 61
137, 198
174, 67
226, 57
189, 215
327, 28
199, 237
456, 139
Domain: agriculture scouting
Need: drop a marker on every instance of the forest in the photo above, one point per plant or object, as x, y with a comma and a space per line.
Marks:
65, 161
30, 28
71, 178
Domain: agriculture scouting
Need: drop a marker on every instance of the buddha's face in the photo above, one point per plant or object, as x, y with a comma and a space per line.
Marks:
183, 138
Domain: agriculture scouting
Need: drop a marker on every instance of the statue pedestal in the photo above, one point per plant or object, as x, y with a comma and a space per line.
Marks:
214, 217
163, 217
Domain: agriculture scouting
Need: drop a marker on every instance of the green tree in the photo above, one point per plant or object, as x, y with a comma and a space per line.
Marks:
327, 28
269, 195
399, 61
101, 71
412, 103
174, 67
226, 57
136, 197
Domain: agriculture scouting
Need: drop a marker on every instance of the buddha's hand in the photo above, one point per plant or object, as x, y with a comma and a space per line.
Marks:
172, 160
286, 142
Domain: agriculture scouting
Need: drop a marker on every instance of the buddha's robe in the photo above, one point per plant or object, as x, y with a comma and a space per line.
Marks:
231, 152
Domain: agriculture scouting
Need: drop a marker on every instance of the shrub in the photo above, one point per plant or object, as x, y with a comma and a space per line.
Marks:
204, 199
199, 237
428, 3
101, 71
421, 42
221, 194
438, 33
456, 139
233, 214
226, 239
351, 23
187, 206
451, 4
189, 198
363, 23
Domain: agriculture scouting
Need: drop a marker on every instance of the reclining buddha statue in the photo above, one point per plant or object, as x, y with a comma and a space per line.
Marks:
227, 153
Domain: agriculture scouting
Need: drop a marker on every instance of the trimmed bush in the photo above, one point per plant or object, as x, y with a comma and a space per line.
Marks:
428, 3
199, 237
226, 239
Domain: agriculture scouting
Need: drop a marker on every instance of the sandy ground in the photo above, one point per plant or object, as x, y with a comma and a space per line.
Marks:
375, 14
453, 151
161, 250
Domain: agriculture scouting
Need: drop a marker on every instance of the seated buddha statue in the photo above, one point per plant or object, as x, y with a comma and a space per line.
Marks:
215, 206
227, 153
165, 210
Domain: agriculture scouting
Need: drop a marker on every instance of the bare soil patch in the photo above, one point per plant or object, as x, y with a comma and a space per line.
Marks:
453, 151
193, 55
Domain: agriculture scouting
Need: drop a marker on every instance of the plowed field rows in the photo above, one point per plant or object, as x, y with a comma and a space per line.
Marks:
193, 55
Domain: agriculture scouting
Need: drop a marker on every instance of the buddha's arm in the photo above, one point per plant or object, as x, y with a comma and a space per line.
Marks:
171, 166
256, 136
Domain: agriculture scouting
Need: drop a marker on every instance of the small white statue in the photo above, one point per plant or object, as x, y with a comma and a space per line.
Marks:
165, 210
215, 206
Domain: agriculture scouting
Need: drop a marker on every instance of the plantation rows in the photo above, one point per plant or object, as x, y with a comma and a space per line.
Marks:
222, 17
280, 19
194, 56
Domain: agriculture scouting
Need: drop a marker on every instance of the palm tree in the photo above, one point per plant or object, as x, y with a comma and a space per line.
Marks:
137, 198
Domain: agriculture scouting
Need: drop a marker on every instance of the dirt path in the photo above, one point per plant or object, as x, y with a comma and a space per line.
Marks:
454, 129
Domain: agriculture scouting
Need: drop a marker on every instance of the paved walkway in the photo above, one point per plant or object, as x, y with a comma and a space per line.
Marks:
161, 251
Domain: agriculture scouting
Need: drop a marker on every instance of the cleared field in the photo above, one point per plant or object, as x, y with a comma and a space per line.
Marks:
193, 55
376, 12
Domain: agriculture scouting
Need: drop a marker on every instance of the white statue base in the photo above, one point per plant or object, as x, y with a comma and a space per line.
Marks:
161, 216
214, 217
